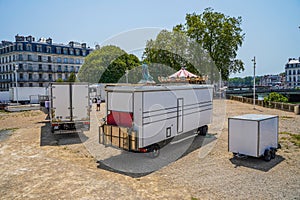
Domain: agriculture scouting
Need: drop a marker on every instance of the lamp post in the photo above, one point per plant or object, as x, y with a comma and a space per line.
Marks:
126, 74
16, 77
254, 63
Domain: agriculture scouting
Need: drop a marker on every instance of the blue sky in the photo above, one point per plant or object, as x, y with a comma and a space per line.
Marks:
271, 26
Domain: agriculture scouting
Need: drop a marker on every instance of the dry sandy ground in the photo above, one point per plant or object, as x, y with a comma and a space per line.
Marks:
33, 166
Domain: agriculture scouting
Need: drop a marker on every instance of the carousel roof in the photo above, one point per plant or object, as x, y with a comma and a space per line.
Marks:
182, 73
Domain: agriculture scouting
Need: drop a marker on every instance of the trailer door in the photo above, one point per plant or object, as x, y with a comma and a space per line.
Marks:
179, 115
61, 102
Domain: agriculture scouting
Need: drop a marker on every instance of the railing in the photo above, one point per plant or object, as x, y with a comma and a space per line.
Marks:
276, 105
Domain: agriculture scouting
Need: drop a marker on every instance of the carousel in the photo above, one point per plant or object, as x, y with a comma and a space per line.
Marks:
183, 76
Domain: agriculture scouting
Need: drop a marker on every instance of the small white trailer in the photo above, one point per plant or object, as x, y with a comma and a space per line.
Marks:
141, 118
253, 135
25, 94
69, 107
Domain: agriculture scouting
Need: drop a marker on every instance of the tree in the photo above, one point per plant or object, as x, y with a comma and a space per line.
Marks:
59, 80
172, 50
219, 35
72, 77
275, 97
115, 72
97, 62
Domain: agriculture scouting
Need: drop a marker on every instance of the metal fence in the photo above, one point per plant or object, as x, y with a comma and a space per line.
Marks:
276, 105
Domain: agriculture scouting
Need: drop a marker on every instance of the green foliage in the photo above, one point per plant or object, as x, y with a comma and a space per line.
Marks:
219, 35
59, 80
115, 72
172, 50
72, 77
97, 62
275, 97
246, 81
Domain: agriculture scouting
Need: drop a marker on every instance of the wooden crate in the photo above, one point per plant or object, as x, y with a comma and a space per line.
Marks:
115, 131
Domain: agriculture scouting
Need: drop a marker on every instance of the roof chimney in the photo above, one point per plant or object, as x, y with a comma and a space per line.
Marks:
49, 41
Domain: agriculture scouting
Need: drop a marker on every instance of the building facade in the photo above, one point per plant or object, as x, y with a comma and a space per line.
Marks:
37, 63
292, 71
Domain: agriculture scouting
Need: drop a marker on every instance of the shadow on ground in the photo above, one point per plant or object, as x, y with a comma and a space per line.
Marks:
256, 163
49, 139
140, 164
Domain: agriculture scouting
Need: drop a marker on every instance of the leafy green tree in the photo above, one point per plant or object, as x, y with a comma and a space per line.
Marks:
219, 35
275, 97
72, 77
115, 72
97, 62
59, 80
172, 50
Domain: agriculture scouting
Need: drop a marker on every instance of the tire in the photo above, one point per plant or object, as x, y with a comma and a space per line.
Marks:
267, 155
155, 150
273, 153
52, 129
202, 130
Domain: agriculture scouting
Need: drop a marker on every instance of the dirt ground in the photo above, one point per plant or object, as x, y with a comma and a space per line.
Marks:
37, 165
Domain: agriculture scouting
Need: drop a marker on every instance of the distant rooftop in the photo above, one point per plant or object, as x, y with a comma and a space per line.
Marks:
293, 61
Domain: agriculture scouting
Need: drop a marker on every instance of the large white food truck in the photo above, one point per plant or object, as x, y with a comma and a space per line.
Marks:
141, 118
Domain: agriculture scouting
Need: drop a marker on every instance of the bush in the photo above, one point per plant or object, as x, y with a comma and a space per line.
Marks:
275, 97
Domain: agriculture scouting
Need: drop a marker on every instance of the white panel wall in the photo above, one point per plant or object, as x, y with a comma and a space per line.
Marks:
120, 101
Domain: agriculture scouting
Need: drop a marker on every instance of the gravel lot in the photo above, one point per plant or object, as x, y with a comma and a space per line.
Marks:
37, 165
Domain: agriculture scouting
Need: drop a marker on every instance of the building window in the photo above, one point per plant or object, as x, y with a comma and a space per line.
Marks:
71, 51
30, 84
40, 76
65, 50
29, 58
49, 58
20, 57
77, 69
20, 47
59, 75
58, 50
77, 61
72, 69
39, 48
21, 84
21, 76
28, 47
40, 84
71, 60
77, 52
29, 76
65, 60
59, 68
83, 52
39, 58
58, 59
50, 77
48, 49
40, 67
66, 68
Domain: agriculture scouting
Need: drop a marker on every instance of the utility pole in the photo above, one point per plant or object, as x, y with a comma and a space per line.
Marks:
254, 63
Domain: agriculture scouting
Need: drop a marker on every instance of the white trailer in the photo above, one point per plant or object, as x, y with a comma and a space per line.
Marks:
97, 91
25, 94
69, 107
253, 135
141, 118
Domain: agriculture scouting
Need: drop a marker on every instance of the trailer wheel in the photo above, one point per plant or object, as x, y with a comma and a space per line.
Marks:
154, 151
273, 153
267, 155
202, 130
